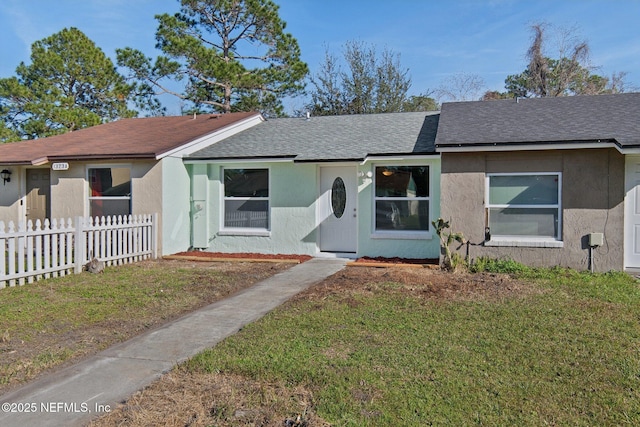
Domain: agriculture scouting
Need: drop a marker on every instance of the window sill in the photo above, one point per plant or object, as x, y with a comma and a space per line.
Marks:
401, 235
244, 232
525, 243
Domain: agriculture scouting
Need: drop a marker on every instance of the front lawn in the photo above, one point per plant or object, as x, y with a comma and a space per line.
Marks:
393, 347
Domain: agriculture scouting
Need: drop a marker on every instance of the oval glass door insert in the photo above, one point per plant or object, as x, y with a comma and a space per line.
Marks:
338, 197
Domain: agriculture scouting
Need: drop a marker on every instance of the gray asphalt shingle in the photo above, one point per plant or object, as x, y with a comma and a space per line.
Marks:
614, 118
330, 138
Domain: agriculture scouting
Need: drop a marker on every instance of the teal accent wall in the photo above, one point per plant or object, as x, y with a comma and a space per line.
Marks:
176, 226
293, 229
403, 245
200, 206
292, 189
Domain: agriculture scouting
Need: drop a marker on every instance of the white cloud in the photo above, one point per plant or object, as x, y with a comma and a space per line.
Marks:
18, 19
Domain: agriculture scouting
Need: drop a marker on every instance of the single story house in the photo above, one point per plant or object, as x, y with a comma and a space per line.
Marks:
361, 185
550, 181
131, 166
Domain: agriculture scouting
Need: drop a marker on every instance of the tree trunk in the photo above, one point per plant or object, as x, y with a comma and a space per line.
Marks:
227, 99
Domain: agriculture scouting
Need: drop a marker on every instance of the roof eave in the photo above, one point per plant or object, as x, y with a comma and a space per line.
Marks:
372, 157
527, 145
329, 160
210, 138
406, 153
20, 163
239, 159
123, 156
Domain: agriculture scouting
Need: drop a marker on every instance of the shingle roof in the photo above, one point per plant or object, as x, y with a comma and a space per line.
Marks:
127, 138
330, 138
611, 118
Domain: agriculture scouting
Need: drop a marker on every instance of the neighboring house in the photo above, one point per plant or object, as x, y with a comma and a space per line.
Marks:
541, 181
362, 185
131, 166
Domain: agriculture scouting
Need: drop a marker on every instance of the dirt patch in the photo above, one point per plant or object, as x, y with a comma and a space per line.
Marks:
410, 261
423, 283
212, 256
182, 398
185, 399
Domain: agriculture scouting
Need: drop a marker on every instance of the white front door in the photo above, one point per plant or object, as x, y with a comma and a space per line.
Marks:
632, 213
337, 209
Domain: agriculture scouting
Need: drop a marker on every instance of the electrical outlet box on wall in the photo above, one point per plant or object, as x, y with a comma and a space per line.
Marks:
596, 239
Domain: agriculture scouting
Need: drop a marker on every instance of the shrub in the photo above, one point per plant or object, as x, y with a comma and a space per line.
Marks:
451, 260
502, 265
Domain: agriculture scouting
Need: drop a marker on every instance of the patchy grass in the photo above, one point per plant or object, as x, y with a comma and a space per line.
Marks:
55, 321
374, 347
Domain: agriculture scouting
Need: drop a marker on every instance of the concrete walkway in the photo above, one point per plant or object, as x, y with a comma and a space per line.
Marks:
75, 395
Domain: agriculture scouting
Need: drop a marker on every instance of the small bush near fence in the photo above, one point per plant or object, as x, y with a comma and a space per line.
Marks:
58, 247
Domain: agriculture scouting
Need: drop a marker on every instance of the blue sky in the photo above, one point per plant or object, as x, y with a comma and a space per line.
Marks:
435, 38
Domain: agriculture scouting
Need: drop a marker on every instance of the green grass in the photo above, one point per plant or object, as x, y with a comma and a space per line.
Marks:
566, 355
87, 299
46, 323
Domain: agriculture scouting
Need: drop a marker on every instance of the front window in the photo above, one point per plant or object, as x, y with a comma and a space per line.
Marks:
402, 198
109, 191
524, 205
246, 198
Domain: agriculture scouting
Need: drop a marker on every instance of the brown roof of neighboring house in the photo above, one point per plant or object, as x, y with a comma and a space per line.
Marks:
127, 138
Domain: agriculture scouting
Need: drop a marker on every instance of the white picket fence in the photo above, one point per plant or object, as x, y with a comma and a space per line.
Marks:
57, 248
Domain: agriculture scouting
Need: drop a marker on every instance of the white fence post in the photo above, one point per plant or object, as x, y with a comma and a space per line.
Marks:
154, 231
3, 256
12, 254
22, 228
79, 245
30, 252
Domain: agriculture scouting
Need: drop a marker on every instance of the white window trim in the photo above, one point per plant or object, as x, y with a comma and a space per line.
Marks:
244, 231
400, 234
525, 241
87, 189
403, 235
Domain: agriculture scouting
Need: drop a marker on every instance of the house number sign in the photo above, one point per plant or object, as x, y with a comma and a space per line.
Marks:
60, 166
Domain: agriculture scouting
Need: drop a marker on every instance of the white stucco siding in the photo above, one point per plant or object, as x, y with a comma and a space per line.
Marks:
69, 191
146, 188
10, 195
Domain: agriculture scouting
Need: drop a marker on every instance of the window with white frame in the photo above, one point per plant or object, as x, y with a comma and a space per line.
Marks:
524, 205
246, 198
109, 190
402, 198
